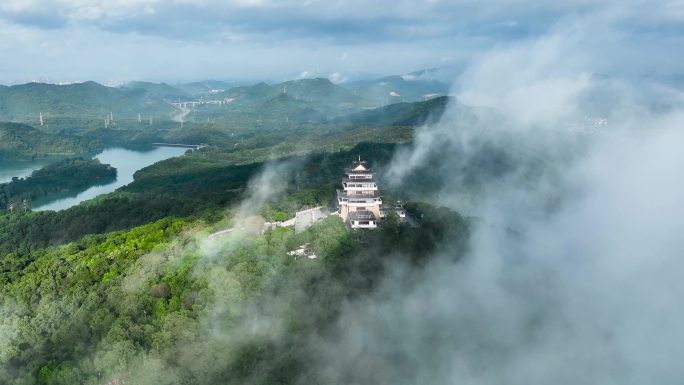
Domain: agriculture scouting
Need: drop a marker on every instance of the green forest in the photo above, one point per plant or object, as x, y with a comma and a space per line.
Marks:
24, 142
135, 305
66, 176
123, 288
130, 288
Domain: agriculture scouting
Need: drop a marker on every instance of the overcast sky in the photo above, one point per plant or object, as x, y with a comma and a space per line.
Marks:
119, 40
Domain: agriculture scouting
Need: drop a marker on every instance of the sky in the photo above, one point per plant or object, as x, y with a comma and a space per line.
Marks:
182, 40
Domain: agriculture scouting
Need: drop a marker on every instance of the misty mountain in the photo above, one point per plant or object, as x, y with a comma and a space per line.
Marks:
293, 101
323, 95
285, 107
445, 74
400, 114
250, 93
320, 99
207, 88
84, 105
156, 90
321, 91
89, 100
316, 89
392, 89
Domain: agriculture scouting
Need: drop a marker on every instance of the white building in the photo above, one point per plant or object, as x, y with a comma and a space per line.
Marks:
358, 201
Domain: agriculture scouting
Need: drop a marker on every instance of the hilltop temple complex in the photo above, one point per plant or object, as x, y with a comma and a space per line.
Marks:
359, 202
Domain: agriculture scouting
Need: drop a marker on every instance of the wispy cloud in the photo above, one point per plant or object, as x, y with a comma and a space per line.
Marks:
570, 276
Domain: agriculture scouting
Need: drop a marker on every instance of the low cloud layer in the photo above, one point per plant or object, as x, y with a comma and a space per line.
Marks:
583, 293
573, 274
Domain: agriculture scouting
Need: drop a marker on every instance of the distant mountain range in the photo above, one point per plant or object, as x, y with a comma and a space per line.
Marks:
90, 105
400, 114
161, 91
208, 87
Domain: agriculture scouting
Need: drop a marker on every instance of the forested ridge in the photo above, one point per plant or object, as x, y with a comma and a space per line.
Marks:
194, 187
129, 288
66, 176
135, 305
23, 142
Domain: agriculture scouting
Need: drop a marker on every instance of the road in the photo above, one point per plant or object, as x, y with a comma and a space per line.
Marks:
180, 115
304, 219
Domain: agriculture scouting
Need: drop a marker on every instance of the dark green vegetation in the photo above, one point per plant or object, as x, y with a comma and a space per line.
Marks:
192, 186
88, 297
19, 141
151, 305
127, 288
69, 176
204, 182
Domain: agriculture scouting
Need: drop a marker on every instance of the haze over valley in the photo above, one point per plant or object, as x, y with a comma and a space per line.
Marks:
355, 192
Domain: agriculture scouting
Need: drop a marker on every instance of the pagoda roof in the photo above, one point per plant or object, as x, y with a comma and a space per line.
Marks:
358, 167
348, 180
343, 194
361, 215
355, 171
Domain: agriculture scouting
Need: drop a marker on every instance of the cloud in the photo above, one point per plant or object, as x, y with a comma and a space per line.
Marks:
387, 19
375, 40
337, 77
572, 274
231, 319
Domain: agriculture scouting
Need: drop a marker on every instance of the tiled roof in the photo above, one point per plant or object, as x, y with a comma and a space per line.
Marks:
361, 216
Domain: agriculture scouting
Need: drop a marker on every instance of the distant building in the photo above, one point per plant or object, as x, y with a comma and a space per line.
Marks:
400, 210
305, 250
359, 201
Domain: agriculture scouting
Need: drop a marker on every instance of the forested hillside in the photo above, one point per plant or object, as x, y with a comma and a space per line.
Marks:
192, 186
154, 305
401, 114
19, 141
69, 176
129, 288
86, 101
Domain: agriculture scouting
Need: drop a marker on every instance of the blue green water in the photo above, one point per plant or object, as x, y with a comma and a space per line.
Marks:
126, 162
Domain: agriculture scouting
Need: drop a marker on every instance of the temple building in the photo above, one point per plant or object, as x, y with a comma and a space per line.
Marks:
359, 201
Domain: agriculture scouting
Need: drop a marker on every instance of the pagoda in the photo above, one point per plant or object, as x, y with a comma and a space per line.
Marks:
358, 201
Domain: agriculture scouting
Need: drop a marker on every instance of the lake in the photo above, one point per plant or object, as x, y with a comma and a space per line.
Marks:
8, 170
126, 161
